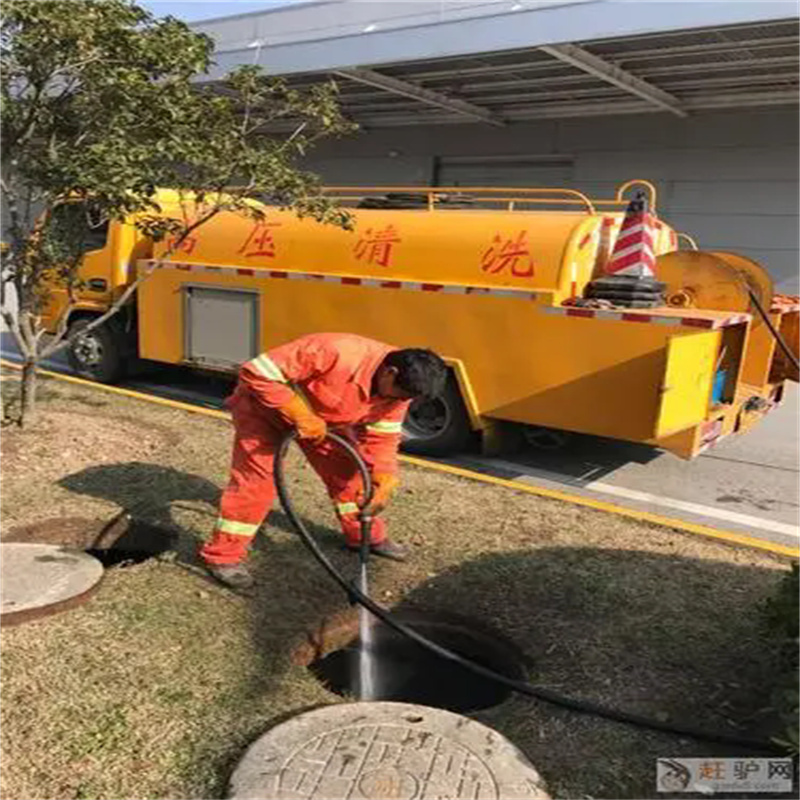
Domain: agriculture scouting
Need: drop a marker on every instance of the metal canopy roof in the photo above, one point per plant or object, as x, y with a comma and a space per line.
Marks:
679, 72
503, 61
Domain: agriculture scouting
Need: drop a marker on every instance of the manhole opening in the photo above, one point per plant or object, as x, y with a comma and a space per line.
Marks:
410, 673
138, 542
121, 540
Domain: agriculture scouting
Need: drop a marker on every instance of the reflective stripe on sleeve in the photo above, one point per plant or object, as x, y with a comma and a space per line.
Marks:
385, 427
347, 508
264, 365
236, 528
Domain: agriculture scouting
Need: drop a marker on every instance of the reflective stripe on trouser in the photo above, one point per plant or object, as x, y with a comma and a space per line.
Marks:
251, 492
344, 485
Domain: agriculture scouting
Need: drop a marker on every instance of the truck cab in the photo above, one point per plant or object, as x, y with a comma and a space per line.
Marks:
110, 249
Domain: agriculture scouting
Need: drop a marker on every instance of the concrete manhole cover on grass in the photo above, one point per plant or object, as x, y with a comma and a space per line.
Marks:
384, 751
40, 579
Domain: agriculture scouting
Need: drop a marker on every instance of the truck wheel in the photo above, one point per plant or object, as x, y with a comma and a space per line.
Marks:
438, 427
97, 355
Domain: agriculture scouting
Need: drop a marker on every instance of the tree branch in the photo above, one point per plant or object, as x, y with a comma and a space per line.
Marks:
12, 201
76, 65
26, 334
30, 122
13, 325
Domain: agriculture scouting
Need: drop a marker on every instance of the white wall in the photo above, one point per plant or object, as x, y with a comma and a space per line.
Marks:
730, 179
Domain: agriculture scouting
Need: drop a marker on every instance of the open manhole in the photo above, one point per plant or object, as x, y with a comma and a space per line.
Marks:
407, 672
119, 541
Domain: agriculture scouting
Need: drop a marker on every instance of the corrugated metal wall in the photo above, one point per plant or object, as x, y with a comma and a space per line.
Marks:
730, 179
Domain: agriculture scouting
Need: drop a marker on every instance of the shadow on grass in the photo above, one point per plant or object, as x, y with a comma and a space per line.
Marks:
677, 639
142, 488
151, 491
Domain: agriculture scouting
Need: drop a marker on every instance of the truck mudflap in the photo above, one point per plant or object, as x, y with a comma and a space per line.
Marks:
785, 313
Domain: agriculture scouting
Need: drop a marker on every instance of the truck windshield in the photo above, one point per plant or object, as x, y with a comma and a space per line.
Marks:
83, 228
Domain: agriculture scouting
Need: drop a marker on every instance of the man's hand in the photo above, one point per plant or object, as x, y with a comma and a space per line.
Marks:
309, 426
383, 485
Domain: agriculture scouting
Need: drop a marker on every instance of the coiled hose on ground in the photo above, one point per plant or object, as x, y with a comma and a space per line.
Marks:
529, 689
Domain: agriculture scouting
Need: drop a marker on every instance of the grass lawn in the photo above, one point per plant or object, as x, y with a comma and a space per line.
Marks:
154, 687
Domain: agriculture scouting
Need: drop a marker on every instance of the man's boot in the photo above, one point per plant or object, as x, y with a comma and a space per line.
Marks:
385, 549
235, 576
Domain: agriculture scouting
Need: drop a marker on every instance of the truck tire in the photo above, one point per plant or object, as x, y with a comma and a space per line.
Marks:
438, 427
98, 355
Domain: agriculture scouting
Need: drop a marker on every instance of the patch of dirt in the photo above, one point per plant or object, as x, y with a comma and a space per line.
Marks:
63, 442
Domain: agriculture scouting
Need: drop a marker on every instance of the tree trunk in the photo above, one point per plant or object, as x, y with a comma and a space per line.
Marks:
27, 410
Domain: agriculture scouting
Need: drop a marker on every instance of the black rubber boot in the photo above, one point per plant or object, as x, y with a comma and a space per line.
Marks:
235, 576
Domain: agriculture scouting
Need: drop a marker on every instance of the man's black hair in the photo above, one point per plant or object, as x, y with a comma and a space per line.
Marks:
420, 373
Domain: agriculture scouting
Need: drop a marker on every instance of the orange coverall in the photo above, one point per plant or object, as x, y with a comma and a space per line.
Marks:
334, 372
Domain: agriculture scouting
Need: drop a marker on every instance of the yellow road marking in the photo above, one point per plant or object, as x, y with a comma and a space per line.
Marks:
599, 505
211, 412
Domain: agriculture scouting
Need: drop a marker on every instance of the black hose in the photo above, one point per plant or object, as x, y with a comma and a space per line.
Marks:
773, 330
540, 693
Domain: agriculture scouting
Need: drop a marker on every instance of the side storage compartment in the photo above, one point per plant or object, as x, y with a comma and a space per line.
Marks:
686, 390
220, 326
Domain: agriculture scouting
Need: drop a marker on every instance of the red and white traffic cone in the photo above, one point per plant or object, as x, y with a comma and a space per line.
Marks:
629, 278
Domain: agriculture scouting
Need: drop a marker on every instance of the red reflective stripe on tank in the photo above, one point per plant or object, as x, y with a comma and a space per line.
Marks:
697, 323
637, 317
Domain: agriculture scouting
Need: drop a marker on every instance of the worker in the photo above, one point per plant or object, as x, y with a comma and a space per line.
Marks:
357, 386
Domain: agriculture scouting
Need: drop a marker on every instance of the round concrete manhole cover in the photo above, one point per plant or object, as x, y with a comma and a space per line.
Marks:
40, 579
384, 751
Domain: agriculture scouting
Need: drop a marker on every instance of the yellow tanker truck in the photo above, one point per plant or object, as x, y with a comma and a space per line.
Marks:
492, 279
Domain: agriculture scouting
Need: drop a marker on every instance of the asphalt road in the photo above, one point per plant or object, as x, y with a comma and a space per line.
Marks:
747, 484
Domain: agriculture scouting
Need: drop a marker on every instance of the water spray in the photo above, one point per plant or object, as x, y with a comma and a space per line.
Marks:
359, 594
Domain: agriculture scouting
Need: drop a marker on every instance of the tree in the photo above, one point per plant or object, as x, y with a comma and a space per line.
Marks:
100, 107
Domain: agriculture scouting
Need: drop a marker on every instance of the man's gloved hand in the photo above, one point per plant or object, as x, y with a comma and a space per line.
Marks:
309, 426
383, 485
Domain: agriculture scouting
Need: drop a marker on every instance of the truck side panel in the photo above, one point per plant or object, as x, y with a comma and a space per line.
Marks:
590, 375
